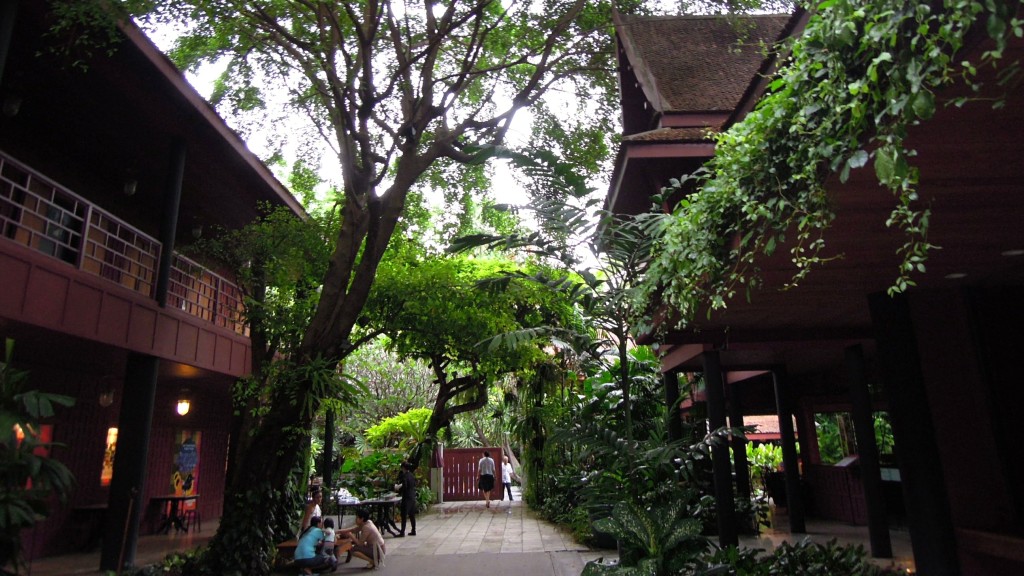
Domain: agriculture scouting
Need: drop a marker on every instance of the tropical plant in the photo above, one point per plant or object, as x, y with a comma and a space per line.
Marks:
31, 480
663, 540
403, 431
805, 558
835, 436
601, 286
764, 459
368, 475
393, 385
437, 311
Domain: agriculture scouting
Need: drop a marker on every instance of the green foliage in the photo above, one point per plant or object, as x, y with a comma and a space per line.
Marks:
861, 73
441, 312
369, 475
763, 459
424, 497
402, 431
392, 386
664, 539
885, 439
835, 436
30, 481
804, 558
187, 562
602, 288
278, 262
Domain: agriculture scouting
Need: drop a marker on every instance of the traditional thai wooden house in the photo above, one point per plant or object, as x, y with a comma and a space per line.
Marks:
109, 161
939, 358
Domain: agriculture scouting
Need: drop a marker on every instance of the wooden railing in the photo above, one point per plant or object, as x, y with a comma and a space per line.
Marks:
202, 293
48, 218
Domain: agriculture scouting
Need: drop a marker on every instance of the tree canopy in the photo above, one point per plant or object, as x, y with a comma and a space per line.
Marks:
438, 311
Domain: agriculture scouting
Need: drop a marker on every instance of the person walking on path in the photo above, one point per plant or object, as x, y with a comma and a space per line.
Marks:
406, 487
506, 478
486, 469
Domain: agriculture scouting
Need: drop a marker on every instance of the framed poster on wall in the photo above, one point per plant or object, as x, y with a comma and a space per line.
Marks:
185, 475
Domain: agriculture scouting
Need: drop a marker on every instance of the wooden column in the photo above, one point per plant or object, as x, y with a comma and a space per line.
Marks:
715, 386
327, 458
8, 14
867, 454
794, 494
675, 424
924, 490
739, 444
169, 222
126, 500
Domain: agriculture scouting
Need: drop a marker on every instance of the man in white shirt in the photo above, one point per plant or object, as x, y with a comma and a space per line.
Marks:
506, 478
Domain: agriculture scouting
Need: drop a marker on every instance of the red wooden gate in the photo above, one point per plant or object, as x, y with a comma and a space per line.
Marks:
460, 473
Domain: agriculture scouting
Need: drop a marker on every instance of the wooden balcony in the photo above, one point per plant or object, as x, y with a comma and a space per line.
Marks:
68, 265
50, 219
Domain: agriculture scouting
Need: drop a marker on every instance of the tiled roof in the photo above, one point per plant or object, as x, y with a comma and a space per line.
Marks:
697, 63
673, 135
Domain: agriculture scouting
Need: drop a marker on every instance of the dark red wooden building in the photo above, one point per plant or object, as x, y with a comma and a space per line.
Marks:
108, 163
941, 358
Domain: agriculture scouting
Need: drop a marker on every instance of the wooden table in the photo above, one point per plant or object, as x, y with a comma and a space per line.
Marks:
172, 517
382, 511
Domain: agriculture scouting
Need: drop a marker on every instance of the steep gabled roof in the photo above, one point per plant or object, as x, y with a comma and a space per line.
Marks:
697, 63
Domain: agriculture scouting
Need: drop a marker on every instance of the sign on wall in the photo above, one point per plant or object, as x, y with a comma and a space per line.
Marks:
185, 477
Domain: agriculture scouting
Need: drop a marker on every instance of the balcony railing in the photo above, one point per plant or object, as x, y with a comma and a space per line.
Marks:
204, 294
50, 219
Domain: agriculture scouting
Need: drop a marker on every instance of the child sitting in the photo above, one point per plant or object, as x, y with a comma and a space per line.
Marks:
330, 537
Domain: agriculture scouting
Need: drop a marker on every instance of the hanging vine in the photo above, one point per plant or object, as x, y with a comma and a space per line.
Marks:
860, 74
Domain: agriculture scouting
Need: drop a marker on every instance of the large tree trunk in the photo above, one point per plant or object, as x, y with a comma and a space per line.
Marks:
260, 507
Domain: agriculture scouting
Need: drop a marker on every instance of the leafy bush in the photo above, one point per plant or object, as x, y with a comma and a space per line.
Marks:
402, 431
424, 497
804, 558
173, 564
652, 540
366, 476
30, 481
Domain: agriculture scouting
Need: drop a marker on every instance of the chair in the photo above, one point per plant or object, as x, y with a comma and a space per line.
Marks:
192, 518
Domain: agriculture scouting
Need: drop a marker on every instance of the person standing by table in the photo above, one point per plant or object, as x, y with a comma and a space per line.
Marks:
506, 478
486, 469
367, 543
406, 488
312, 509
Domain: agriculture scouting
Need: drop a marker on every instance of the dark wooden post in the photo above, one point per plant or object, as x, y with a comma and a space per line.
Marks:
794, 494
867, 454
327, 460
675, 424
125, 503
169, 222
8, 14
739, 444
715, 386
924, 489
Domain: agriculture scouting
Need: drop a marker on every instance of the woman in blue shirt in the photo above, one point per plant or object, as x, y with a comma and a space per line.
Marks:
306, 556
